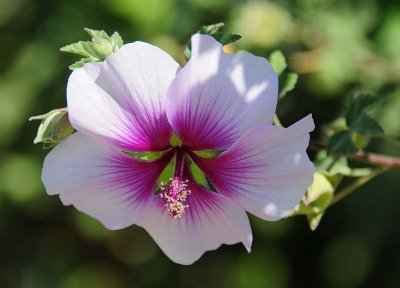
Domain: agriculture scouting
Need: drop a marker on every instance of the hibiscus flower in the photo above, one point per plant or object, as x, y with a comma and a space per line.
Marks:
140, 100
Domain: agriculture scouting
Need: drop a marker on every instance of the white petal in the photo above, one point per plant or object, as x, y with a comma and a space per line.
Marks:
210, 220
99, 180
122, 99
267, 170
218, 96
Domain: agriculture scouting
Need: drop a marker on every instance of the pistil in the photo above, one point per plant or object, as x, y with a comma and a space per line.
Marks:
176, 191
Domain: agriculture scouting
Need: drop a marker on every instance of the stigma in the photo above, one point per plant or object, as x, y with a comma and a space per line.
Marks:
175, 194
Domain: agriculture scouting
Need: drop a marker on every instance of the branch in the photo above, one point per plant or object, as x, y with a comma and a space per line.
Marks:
356, 184
365, 157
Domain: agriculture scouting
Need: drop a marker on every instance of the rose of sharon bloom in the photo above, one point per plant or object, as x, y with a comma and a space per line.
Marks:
139, 99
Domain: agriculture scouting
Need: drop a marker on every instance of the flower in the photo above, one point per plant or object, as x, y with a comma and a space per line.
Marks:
139, 100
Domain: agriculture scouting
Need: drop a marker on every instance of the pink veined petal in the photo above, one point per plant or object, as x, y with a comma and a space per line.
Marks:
210, 220
99, 180
218, 96
267, 170
122, 99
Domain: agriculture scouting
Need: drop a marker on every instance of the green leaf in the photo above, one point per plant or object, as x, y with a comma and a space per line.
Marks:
54, 127
360, 140
225, 37
278, 62
366, 125
359, 105
356, 117
342, 142
213, 30
287, 82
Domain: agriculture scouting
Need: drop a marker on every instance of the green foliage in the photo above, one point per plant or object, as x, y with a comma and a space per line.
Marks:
278, 61
360, 126
317, 199
342, 142
287, 81
356, 117
99, 48
213, 30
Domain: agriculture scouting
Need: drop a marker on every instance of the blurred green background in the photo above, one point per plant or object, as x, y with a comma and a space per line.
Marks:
337, 47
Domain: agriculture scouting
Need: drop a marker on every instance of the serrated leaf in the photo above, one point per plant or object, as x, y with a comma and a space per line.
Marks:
357, 119
82, 48
359, 105
287, 82
342, 142
364, 124
278, 62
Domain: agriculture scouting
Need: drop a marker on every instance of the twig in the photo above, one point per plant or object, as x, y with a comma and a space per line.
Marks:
356, 184
366, 157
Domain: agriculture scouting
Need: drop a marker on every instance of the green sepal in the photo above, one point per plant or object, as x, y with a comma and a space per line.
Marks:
317, 199
54, 127
98, 49
213, 30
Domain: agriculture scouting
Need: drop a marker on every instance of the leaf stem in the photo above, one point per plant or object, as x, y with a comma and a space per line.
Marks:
365, 157
356, 184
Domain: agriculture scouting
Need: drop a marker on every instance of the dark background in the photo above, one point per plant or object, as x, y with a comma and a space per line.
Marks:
337, 47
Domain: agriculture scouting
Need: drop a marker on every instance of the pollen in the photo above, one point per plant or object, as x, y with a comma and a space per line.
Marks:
175, 194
